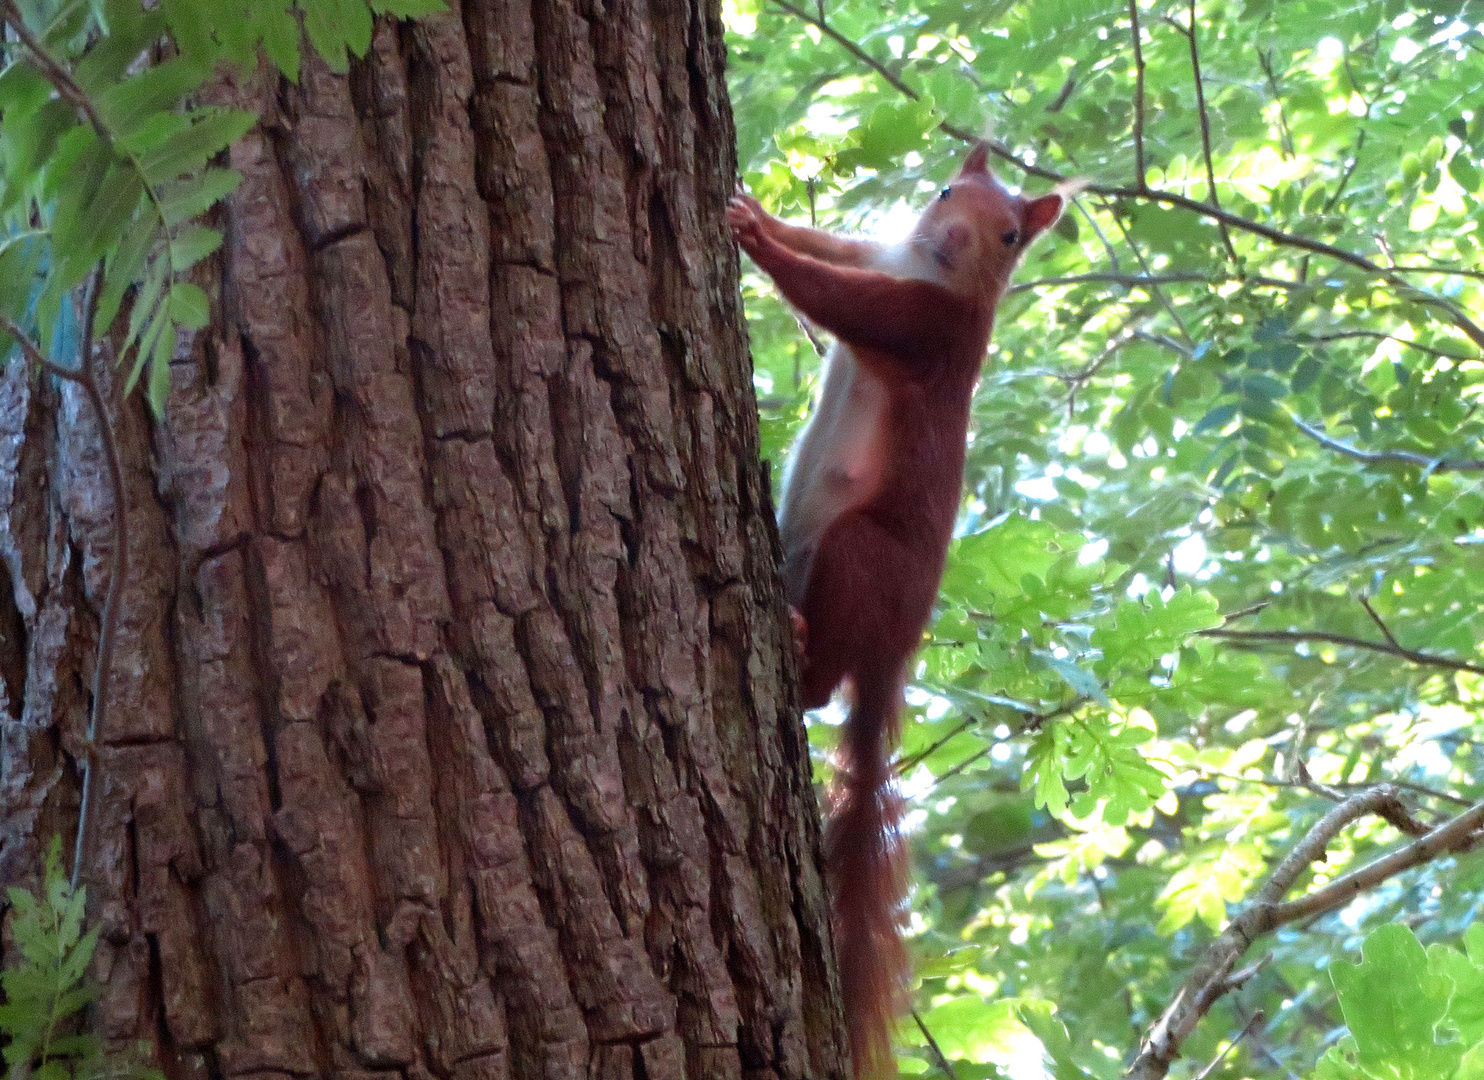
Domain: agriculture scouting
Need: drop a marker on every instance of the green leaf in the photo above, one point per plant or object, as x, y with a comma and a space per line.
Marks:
159, 364
1393, 1006
144, 304
190, 246
212, 130
189, 305
279, 27
189, 198
122, 269
158, 88
327, 34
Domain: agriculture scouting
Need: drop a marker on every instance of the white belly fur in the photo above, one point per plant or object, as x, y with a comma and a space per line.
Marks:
840, 457
836, 465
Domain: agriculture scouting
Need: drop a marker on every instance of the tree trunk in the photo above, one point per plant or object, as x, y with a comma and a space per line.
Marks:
451, 725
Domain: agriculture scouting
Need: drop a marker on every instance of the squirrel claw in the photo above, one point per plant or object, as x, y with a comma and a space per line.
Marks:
801, 631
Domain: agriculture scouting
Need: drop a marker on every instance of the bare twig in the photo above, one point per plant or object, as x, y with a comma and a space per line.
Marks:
1285, 135
1333, 792
1128, 281
1395, 812
820, 24
1250, 609
1389, 457
83, 377
941, 1058
1208, 980
1380, 625
1238, 979
1297, 636
1064, 93
1257, 1018
1097, 231
1433, 268
818, 343
1334, 197
910, 763
1134, 281
1141, 181
1376, 335
1200, 101
949, 774
1159, 294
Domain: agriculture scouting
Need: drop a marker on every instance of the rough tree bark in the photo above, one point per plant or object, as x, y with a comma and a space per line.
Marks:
451, 729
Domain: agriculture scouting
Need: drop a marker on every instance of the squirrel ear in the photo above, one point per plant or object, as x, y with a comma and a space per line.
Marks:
977, 161
1041, 214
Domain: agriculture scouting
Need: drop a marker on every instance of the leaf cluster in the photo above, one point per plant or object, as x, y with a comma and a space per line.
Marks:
46, 989
107, 160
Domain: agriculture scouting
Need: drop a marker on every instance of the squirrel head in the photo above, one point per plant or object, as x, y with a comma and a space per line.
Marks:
975, 231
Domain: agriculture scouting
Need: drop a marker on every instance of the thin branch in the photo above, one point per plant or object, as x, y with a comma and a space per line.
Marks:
1395, 812
962, 765
1376, 335
1200, 101
942, 1059
1390, 457
1334, 198
1097, 231
1238, 979
1128, 281
1257, 1018
820, 24
1385, 630
1296, 636
1159, 293
1456, 834
1208, 981
1134, 281
1250, 609
1433, 268
1265, 60
108, 629
83, 377
1333, 792
910, 763
1141, 182
1064, 93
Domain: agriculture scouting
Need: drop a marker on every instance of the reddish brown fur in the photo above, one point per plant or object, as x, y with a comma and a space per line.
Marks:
871, 575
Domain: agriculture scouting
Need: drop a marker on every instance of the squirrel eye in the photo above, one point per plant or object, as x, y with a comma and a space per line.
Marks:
944, 193
1011, 238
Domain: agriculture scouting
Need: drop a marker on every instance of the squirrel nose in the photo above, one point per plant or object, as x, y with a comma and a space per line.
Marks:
953, 242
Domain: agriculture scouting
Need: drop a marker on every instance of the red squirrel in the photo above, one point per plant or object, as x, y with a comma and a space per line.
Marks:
869, 501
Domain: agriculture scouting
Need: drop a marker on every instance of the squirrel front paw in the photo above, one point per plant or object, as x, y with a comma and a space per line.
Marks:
744, 215
801, 632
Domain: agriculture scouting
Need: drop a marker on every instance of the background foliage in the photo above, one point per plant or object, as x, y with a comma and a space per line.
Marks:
107, 161
46, 991
1220, 552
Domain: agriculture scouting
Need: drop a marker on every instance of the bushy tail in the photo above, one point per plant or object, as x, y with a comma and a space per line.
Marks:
867, 867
